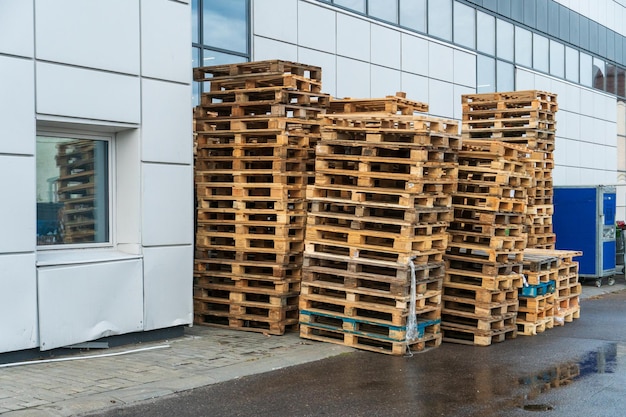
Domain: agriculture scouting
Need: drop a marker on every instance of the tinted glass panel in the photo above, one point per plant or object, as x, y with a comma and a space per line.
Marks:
195, 86
593, 36
225, 24
541, 56
574, 27
440, 18
611, 79
523, 47
491, 5
610, 45
486, 33
621, 78
504, 7
598, 74
586, 73
211, 57
571, 64
517, 11
384, 9
195, 22
530, 10
602, 40
413, 14
619, 57
357, 5
557, 59
564, 23
542, 15
504, 40
72, 191
485, 74
506, 76
553, 18
583, 26
464, 25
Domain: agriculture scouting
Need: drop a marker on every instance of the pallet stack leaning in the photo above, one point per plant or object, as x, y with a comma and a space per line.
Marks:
563, 269
487, 240
527, 118
377, 227
256, 131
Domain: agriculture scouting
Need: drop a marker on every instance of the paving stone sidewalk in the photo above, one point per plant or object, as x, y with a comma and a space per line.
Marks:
204, 356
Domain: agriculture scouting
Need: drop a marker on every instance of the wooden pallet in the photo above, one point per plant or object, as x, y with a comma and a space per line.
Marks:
248, 69
382, 122
340, 337
468, 335
382, 152
405, 137
397, 104
531, 328
262, 96
484, 281
254, 128
481, 264
269, 287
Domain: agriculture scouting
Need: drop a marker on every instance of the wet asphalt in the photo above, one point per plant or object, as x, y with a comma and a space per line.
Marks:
574, 370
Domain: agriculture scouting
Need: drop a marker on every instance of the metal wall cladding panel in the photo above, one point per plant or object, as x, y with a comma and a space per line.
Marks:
18, 302
80, 303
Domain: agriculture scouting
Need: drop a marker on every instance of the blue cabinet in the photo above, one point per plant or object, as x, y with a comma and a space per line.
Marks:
584, 219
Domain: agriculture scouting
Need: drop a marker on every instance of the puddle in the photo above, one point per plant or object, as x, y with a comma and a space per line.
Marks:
601, 361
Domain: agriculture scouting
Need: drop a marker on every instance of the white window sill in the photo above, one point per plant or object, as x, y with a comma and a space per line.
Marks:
82, 256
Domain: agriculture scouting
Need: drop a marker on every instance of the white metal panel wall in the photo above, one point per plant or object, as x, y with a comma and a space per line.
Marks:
104, 35
89, 301
16, 27
17, 211
166, 126
18, 302
17, 105
168, 286
89, 94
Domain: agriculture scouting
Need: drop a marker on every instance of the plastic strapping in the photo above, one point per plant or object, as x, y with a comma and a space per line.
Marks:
411, 325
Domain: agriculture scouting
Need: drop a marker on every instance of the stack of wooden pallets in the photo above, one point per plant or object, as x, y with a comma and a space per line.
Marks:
526, 118
487, 240
537, 296
377, 227
256, 131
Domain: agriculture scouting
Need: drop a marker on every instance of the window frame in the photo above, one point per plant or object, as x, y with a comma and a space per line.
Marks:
109, 138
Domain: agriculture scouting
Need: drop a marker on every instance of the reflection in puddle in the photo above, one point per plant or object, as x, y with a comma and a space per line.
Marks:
604, 360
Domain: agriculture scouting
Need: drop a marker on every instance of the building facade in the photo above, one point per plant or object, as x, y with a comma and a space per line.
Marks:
96, 170
436, 50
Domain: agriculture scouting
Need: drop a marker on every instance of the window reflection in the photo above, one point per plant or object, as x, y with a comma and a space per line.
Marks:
195, 22
464, 25
486, 34
357, 5
505, 76
611, 79
523, 47
440, 18
571, 64
504, 39
72, 191
541, 55
621, 79
413, 14
586, 70
225, 24
486, 74
598, 74
383, 9
557, 59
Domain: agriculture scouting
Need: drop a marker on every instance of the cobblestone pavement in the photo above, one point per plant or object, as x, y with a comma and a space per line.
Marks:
204, 356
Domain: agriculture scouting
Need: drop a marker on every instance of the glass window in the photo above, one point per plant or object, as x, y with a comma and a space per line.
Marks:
195, 22
583, 27
440, 18
383, 9
504, 8
485, 74
504, 40
196, 89
464, 25
574, 27
413, 14
610, 45
541, 54
225, 24
619, 56
586, 67
523, 47
564, 23
611, 79
542, 15
598, 74
557, 59
491, 5
529, 12
553, 18
357, 5
593, 36
486, 33
621, 79
72, 190
571, 64
602, 40
210, 57
517, 11
506, 76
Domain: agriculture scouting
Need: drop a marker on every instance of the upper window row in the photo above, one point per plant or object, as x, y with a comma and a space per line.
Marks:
471, 28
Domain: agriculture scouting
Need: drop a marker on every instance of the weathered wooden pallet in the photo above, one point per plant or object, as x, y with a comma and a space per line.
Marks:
376, 170
270, 287
469, 226
369, 152
484, 281
488, 203
328, 191
397, 104
511, 189
566, 303
387, 121
248, 129
263, 96
480, 264
514, 241
477, 215
507, 113
337, 248
406, 137
482, 255
531, 328
454, 291
430, 340
562, 316
469, 335
248, 69
257, 108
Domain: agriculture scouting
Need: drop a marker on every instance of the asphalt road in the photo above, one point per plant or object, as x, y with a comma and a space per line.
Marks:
575, 370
